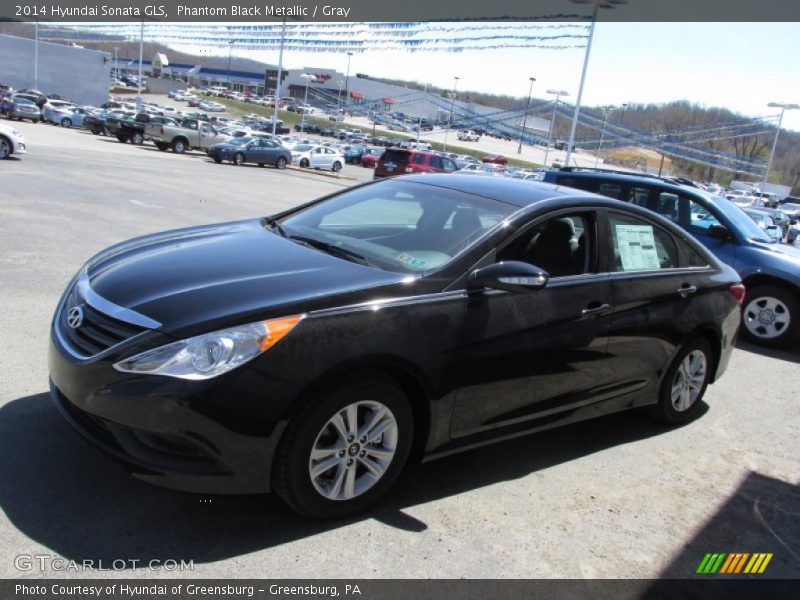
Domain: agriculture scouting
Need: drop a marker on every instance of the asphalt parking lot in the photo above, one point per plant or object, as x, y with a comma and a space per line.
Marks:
616, 497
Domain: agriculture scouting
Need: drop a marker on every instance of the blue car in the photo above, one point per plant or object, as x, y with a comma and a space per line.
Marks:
769, 270
352, 155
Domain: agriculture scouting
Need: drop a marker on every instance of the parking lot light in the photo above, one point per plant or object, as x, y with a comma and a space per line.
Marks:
597, 4
784, 107
525, 116
308, 77
558, 94
347, 80
450, 118
606, 112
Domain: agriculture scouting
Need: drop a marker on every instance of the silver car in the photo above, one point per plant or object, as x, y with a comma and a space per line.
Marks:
22, 108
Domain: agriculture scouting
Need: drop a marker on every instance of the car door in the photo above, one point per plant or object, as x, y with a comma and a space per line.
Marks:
537, 356
659, 287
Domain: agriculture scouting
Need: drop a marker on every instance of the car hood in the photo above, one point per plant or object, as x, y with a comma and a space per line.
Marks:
230, 273
224, 146
789, 253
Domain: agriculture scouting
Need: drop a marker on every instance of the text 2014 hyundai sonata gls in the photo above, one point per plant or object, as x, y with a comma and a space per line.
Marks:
314, 351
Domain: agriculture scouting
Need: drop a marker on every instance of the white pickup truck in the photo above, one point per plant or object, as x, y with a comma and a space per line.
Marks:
468, 136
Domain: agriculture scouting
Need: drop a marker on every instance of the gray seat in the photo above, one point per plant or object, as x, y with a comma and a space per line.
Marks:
554, 249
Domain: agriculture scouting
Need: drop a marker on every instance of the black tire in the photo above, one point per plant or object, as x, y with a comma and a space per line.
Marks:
5, 148
767, 302
669, 411
291, 477
97, 131
304, 163
337, 166
66, 122
137, 139
179, 146
280, 163
238, 159
162, 146
217, 160
122, 138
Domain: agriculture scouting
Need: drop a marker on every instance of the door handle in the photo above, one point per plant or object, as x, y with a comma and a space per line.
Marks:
596, 310
687, 290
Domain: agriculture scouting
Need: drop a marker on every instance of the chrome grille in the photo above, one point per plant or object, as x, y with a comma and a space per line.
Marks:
97, 332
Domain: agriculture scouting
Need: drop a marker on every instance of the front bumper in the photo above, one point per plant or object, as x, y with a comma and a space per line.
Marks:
213, 436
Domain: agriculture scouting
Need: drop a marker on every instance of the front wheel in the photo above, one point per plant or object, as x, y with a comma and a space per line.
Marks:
179, 146
238, 159
5, 148
280, 163
771, 316
66, 122
162, 146
122, 138
137, 139
345, 450
337, 166
684, 384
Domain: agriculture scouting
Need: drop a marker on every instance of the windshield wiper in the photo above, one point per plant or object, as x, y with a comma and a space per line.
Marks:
332, 249
273, 224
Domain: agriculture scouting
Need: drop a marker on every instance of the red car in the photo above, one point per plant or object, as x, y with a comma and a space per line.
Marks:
398, 161
371, 157
497, 159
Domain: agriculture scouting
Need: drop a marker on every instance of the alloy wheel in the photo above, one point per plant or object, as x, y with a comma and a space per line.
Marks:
5, 148
353, 450
689, 380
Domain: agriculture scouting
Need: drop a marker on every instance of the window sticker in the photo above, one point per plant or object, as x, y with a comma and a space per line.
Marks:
637, 247
416, 263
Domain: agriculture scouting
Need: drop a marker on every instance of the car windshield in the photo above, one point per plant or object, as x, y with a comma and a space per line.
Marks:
240, 141
742, 221
398, 226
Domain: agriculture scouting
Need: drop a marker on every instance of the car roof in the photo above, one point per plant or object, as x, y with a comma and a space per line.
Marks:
517, 192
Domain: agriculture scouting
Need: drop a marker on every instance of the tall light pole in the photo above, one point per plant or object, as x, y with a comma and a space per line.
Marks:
452, 107
419, 120
784, 107
525, 117
141, 58
558, 94
308, 79
596, 5
36, 56
230, 53
622, 115
347, 80
278, 79
116, 64
602, 133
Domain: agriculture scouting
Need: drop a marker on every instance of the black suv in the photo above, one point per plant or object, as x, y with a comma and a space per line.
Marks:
770, 271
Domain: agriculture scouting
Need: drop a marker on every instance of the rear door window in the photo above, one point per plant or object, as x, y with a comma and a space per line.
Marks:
641, 246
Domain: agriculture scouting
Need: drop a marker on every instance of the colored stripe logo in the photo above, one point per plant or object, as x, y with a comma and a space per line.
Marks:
734, 563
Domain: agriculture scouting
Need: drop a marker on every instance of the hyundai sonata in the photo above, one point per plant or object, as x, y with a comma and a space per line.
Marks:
313, 352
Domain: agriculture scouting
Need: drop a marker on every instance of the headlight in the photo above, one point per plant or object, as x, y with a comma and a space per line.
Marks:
212, 354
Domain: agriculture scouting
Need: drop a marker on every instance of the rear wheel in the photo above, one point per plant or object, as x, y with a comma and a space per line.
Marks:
179, 146
771, 316
345, 450
280, 163
217, 160
304, 163
122, 138
685, 382
337, 166
238, 159
162, 146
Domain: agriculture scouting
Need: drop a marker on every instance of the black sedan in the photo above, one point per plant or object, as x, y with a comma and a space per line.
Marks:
315, 351
251, 149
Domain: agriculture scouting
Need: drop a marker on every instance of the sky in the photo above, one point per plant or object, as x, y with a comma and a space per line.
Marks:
740, 66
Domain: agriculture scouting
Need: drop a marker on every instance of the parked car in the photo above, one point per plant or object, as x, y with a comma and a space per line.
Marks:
766, 223
310, 156
407, 318
779, 217
248, 149
371, 156
53, 110
468, 136
11, 141
497, 159
770, 271
22, 108
35, 96
483, 169
398, 161
190, 134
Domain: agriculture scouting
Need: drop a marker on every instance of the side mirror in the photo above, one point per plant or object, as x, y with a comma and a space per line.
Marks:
512, 276
719, 232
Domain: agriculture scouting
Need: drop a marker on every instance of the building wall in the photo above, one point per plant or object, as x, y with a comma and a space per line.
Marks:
79, 74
